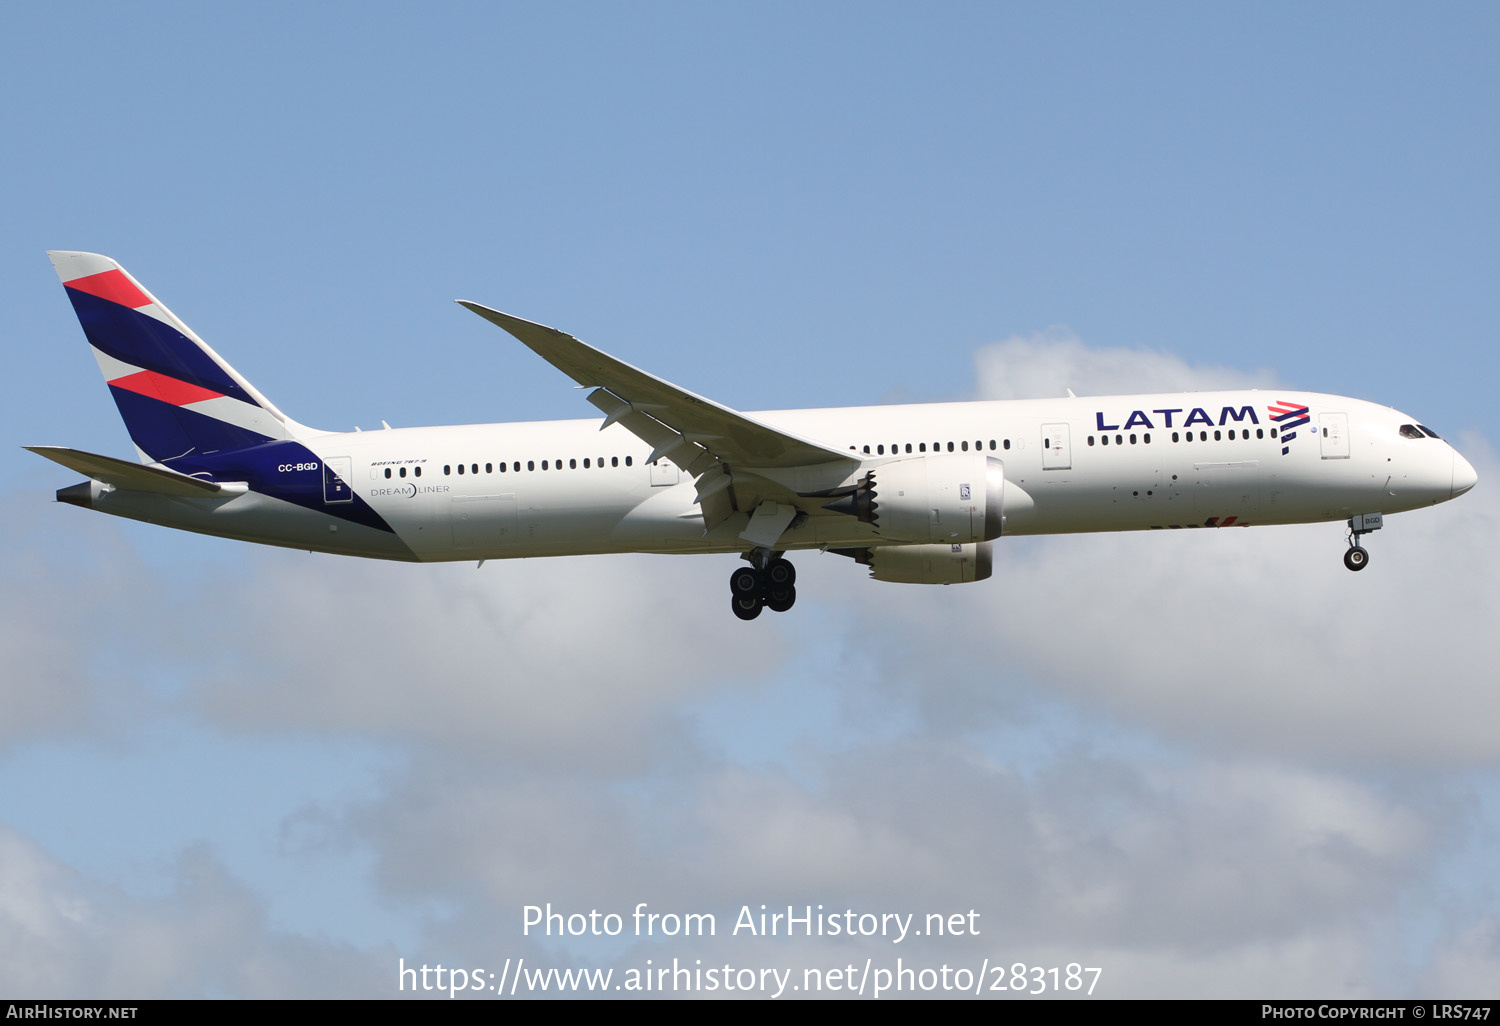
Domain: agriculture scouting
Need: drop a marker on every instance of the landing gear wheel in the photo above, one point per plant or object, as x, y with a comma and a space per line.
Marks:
746, 581
780, 598
746, 607
1360, 525
781, 572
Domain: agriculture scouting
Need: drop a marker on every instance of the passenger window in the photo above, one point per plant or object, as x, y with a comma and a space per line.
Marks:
388, 469
417, 472
403, 471
627, 461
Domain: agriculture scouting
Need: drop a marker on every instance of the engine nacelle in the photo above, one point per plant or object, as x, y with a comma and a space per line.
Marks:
949, 497
931, 564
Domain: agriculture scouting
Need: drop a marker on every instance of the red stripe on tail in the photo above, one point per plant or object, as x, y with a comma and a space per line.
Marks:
168, 390
113, 286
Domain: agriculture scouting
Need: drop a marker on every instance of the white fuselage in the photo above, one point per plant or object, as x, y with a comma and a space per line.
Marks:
1114, 463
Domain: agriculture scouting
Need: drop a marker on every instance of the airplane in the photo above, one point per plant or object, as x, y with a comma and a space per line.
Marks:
917, 493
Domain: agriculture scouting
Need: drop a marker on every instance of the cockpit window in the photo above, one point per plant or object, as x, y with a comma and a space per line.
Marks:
1410, 431
1430, 433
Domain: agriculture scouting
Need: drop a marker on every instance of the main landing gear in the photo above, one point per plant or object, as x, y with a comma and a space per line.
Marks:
1356, 558
768, 582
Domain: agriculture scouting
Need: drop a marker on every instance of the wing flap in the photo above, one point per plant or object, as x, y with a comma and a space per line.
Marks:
664, 441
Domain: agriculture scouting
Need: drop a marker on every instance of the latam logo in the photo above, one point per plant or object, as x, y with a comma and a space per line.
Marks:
1288, 417
1197, 415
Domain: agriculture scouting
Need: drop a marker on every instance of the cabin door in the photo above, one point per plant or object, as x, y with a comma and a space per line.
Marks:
1056, 453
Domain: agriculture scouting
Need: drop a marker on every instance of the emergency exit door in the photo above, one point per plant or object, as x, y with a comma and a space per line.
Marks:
1333, 429
1056, 453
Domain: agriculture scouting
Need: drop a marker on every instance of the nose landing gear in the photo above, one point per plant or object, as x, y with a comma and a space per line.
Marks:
769, 582
1356, 558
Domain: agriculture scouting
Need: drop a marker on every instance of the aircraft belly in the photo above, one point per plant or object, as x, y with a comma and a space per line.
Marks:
255, 517
524, 522
667, 519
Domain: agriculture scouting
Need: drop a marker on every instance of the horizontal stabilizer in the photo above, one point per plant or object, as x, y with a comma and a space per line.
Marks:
131, 476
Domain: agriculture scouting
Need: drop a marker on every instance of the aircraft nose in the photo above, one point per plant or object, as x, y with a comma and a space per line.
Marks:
1464, 476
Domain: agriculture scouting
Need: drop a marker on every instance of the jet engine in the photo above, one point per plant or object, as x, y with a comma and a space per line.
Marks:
927, 564
951, 498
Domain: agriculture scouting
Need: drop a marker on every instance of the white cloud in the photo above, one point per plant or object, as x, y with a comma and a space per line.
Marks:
1234, 872
1257, 639
1463, 965
51, 585
1046, 364
573, 662
63, 936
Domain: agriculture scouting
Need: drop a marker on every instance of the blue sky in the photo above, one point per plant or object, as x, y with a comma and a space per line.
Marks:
1132, 749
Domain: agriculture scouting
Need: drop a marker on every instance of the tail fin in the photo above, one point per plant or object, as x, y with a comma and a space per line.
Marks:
176, 395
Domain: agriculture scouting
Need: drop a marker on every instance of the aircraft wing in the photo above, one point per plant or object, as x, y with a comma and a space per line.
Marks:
687, 429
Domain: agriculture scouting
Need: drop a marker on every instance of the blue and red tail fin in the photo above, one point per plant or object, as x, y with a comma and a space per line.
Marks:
177, 397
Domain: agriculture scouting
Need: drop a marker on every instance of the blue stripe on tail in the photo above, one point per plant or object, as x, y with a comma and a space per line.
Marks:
150, 344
